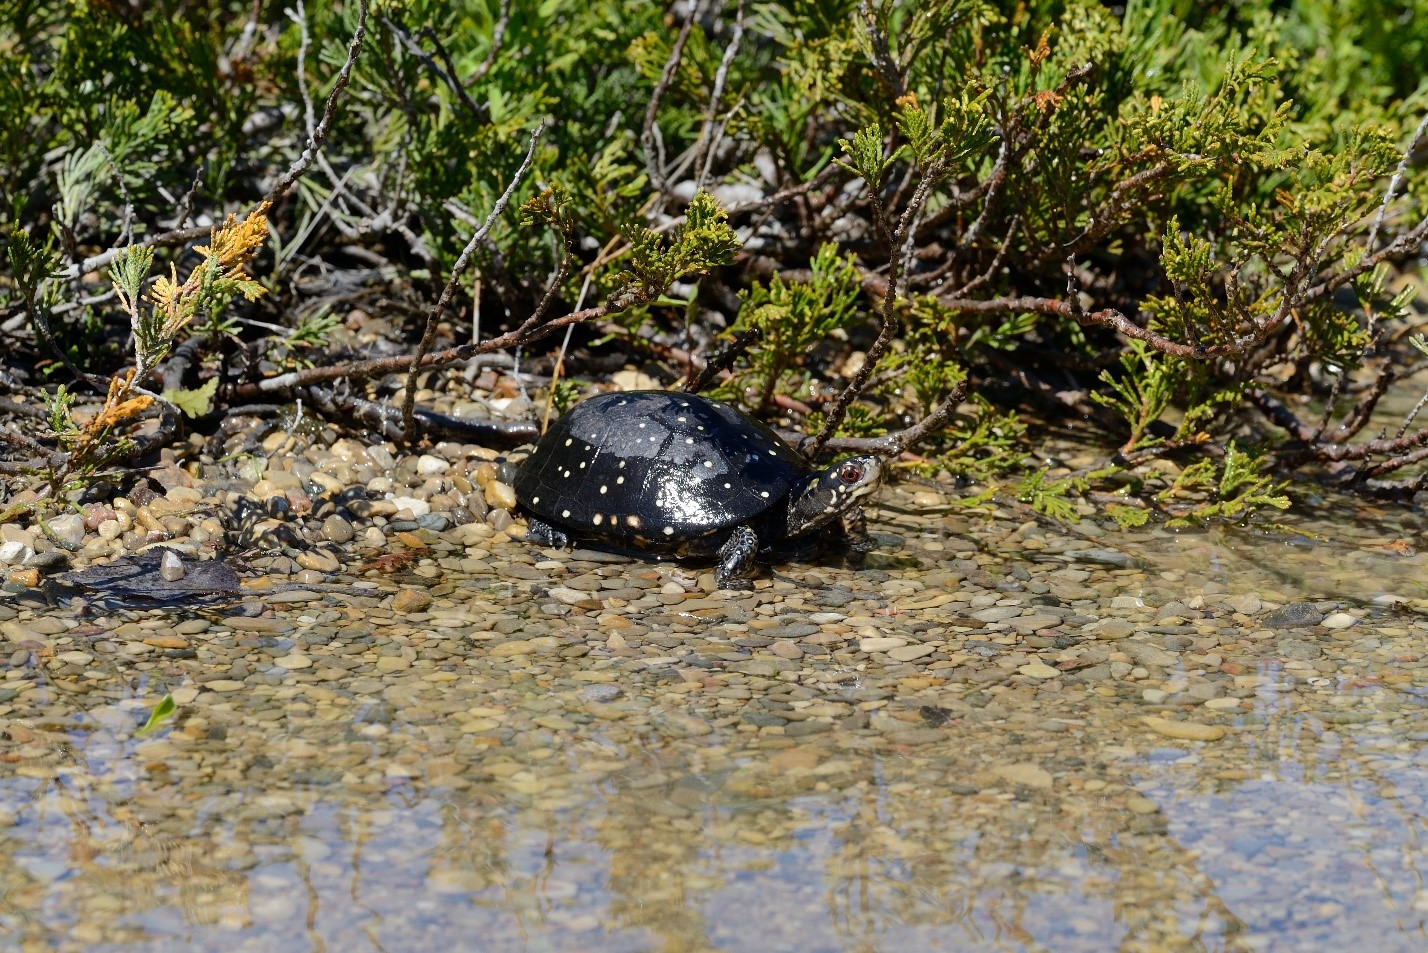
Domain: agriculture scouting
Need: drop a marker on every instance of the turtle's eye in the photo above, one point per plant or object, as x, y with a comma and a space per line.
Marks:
850, 472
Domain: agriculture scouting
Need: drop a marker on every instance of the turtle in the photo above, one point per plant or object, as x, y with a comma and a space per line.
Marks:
679, 475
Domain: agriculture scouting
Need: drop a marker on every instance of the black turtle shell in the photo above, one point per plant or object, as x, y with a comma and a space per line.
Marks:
656, 469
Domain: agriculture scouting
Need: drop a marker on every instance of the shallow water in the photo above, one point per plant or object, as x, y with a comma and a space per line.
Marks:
563, 752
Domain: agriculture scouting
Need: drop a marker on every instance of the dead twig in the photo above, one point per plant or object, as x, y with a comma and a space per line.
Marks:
1419, 136
902, 255
704, 147
379, 417
498, 36
318, 136
279, 384
446, 73
649, 133
433, 320
897, 442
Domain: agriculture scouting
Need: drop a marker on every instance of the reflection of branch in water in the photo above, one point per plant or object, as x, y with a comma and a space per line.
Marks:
357, 835
304, 872
1326, 766
1410, 850
993, 857
109, 851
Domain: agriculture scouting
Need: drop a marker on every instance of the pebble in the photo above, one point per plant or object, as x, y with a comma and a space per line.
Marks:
428, 465
1338, 620
679, 724
67, 531
1039, 670
535, 646
1025, 774
1111, 630
411, 600
337, 529
880, 643
171, 566
909, 653
414, 505
14, 553
26, 578
1247, 604
1294, 615
500, 495
600, 694
1185, 730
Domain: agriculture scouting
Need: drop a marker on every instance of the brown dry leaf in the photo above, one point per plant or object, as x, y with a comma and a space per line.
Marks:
118, 407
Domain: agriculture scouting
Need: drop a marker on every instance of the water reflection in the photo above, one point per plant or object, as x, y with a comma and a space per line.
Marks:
1316, 839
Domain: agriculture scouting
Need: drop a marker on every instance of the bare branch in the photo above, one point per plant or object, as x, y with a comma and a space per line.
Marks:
285, 383
704, 148
446, 73
649, 133
498, 36
902, 256
1419, 137
433, 320
379, 417
318, 135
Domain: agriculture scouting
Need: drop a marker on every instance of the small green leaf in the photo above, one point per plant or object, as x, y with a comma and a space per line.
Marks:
1128, 517
157, 716
130, 270
193, 403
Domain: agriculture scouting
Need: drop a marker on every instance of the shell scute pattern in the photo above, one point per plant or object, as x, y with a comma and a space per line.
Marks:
684, 467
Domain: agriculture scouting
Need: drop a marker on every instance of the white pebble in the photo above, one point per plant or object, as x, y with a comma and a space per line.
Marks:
428, 465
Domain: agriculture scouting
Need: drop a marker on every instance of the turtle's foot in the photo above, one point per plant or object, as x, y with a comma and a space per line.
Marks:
856, 538
736, 560
543, 534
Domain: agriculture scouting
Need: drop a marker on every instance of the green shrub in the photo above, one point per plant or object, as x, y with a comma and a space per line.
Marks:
1178, 218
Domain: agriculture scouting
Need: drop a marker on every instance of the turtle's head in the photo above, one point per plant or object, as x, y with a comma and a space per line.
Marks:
830, 493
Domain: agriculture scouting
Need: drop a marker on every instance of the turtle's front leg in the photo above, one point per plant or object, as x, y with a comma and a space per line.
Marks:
736, 559
542, 533
855, 531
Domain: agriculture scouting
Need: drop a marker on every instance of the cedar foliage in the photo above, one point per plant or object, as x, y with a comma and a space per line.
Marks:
1193, 225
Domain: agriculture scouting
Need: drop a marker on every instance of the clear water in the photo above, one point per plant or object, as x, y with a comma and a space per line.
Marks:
475, 800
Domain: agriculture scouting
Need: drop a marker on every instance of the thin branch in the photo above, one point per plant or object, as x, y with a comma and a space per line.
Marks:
899, 441
348, 408
434, 318
444, 73
17, 439
1281, 416
649, 133
1393, 183
318, 136
498, 36
901, 258
23, 410
284, 383
889, 75
704, 148
177, 236
1363, 409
